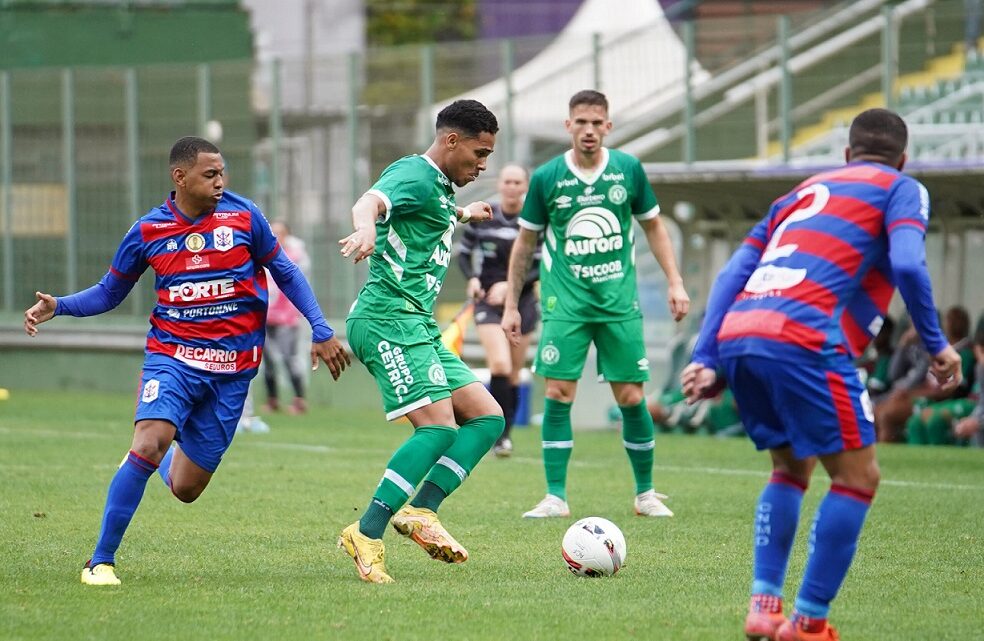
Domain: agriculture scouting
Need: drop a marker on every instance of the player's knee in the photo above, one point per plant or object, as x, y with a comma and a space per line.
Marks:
185, 492
558, 393
630, 397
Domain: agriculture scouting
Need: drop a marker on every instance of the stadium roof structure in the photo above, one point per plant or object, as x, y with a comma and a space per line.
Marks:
724, 193
630, 29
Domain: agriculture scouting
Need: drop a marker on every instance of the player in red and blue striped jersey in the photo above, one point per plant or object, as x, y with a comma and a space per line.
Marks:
797, 302
208, 248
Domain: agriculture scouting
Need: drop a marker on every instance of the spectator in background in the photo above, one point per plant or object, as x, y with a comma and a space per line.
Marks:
282, 327
972, 427
933, 416
876, 362
907, 372
484, 258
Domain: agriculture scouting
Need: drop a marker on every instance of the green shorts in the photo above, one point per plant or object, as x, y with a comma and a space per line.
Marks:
564, 348
411, 365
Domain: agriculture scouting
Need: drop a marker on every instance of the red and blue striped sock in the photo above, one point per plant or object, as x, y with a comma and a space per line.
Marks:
125, 491
776, 517
833, 541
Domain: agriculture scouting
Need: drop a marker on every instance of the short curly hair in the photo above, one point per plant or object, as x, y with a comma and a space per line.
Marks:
468, 117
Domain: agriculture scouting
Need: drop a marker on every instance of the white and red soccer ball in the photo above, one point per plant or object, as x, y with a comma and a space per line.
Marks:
593, 547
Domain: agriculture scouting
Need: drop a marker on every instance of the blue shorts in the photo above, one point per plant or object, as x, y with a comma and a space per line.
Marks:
814, 408
205, 409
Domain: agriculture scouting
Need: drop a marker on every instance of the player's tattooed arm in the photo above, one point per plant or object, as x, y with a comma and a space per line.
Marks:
520, 261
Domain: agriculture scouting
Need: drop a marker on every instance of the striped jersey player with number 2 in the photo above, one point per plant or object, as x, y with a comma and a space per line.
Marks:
207, 247
787, 315
584, 201
404, 226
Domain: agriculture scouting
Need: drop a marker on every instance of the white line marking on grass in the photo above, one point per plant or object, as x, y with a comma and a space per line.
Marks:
30, 431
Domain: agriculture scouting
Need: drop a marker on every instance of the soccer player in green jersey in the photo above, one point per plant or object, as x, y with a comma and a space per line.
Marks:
403, 225
584, 201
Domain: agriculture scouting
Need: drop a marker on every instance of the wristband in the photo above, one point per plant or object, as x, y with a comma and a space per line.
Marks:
465, 215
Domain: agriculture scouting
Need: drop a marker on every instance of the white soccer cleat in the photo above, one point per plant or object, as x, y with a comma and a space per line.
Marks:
649, 503
550, 506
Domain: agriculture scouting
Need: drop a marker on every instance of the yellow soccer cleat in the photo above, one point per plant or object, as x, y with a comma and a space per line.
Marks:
99, 574
367, 553
425, 529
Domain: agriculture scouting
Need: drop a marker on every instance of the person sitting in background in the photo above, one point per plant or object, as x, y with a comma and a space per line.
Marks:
933, 417
972, 427
876, 360
907, 372
283, 329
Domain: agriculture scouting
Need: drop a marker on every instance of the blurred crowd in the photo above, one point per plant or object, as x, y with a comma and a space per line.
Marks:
908, 405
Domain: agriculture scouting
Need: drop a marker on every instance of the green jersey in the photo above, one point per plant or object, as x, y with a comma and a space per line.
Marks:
587, 270
413, 241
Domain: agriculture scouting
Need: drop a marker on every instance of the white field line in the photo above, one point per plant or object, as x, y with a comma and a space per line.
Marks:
324, 449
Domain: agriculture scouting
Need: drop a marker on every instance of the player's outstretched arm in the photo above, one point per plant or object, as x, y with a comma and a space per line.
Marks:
662, 248
333, 353
520, 260
41, 311
361, 243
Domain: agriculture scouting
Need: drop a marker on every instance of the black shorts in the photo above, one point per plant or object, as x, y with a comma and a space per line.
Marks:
529, 309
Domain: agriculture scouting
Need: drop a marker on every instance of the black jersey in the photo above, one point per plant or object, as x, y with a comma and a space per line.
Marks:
484, 250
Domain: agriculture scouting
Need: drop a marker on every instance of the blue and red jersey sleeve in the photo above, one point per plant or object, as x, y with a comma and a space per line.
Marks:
124, 272
729, 283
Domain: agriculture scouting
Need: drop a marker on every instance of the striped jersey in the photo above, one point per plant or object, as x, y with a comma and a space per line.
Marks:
211, 286
824, 279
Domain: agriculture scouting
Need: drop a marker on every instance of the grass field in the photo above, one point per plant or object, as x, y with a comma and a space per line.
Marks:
255, 557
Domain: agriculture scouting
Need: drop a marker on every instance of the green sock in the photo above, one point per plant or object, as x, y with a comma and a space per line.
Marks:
475, 438
637, 437
558, 441
915, 429
403, 472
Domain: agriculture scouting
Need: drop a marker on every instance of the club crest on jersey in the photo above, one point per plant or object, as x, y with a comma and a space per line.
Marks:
618, 194
222, 238
195, 242
172, 245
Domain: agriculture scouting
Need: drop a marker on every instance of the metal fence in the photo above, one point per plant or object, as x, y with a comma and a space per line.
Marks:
83, 151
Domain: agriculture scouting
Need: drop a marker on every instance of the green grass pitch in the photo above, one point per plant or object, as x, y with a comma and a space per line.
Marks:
255, 557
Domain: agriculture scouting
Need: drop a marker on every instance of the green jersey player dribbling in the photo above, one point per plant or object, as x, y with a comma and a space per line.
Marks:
584, 202
404, 226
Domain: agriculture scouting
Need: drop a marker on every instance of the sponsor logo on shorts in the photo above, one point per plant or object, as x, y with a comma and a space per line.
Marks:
618, 194
151, 389
195, 242
222, 238
208, 358
437, 375
397, 370
643, 364
550, 354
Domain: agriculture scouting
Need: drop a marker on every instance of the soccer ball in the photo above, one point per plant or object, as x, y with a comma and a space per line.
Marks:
593, 547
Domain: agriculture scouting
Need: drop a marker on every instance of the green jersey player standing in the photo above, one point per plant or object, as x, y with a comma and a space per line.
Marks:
404, 226
584, 202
